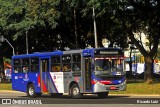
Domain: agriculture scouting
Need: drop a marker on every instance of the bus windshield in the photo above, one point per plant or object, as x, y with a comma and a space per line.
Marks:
109, 66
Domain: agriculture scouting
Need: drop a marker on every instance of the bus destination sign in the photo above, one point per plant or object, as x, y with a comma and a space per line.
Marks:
108, 52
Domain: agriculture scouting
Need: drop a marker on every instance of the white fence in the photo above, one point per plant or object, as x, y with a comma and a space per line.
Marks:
139, 68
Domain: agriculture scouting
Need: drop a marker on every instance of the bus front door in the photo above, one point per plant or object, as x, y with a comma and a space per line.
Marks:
44, 69
88, 74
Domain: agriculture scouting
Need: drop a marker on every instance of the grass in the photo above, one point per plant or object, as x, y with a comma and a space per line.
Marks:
132, 88
5, 86
141, 88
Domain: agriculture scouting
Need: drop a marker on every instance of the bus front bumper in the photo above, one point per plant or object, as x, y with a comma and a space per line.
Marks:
98, 87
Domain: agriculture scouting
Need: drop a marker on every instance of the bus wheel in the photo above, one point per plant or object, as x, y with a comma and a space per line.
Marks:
103, 94
31, 91
75, 91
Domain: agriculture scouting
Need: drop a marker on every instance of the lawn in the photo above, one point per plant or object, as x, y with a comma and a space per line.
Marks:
132, 88
5, 86
141, 88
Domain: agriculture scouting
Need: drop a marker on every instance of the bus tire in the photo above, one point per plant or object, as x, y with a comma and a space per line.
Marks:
75, 91
31, 91
103, 94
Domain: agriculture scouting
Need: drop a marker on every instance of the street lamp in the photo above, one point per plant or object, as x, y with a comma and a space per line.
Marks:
95, 30
27, 42
2, 39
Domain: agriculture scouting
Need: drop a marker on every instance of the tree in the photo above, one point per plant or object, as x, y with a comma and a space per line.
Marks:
134, 16
72, 25
50, 24
108, 26
146, 19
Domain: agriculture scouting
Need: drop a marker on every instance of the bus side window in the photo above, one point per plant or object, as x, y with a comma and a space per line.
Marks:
17, 65
54, 69
55, 64
66, 63
66, 67
17, 69
25, 65
34, 64
76, 62
25, 69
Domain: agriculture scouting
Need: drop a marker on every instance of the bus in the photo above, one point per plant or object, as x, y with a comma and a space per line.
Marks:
76, 72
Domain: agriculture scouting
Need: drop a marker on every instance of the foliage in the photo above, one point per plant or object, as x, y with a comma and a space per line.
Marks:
49, 23
130, 17
7, 60
108, 25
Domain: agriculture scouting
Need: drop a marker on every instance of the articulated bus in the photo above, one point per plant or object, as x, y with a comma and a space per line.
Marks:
76, 72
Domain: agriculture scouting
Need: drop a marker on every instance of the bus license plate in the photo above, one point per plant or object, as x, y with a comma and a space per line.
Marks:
112, 87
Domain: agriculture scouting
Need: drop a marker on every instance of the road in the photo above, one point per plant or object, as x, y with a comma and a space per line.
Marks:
87, 100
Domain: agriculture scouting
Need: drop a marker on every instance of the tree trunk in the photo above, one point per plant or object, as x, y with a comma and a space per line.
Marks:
148, 69
130, 62
2, 69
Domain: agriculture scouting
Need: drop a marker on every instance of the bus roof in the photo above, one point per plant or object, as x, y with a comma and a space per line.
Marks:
38, 54
109, 48
57, 52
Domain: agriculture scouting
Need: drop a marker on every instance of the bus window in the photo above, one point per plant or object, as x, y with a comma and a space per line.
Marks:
34, 64
76, 65
66, 63
17, 69
17, 65
45, 65
55, 64
25, 65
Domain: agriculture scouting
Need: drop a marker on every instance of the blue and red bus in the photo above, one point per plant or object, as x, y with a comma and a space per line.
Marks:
76, 72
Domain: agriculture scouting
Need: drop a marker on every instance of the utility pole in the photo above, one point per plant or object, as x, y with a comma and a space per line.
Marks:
95, 29
75, 28
27, 42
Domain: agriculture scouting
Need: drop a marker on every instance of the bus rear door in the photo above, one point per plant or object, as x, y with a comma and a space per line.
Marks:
44, 70
88, 74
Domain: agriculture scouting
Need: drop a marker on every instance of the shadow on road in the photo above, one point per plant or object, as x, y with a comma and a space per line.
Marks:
84, 97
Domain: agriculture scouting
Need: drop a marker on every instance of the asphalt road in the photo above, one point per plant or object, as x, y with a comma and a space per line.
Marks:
88, 100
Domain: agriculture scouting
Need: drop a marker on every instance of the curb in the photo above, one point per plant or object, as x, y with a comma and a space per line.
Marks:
156, 95
10, 91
